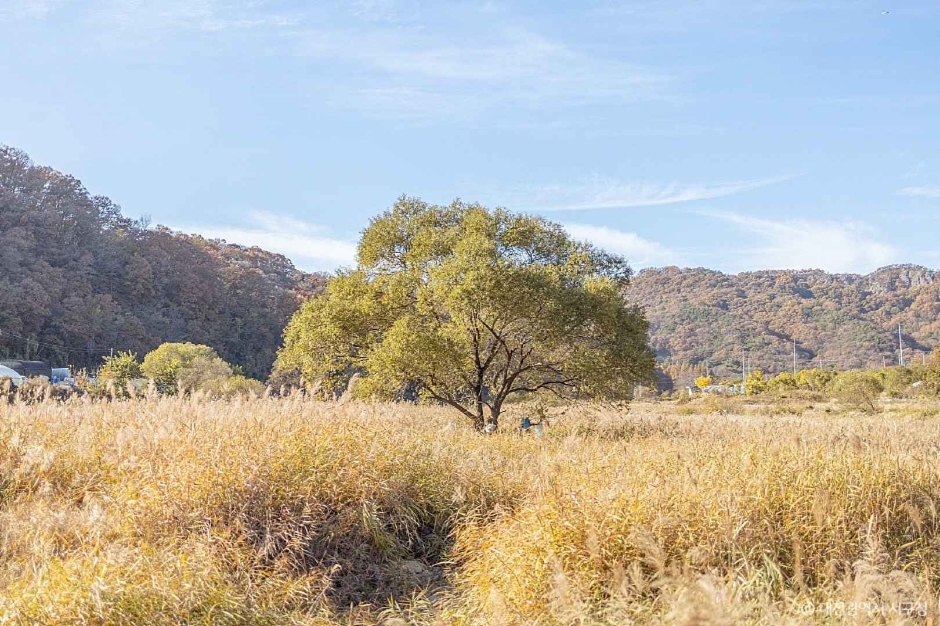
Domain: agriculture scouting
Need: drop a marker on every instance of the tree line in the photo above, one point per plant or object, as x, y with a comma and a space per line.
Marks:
857, 388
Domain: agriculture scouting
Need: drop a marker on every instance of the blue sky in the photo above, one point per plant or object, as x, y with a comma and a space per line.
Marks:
731, 135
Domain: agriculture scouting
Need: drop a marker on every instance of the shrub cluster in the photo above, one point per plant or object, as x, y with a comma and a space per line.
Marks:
856, 389
172, 368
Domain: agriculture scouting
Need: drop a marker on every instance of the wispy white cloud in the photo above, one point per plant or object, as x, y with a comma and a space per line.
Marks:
26, 9
917, 170
833, 246
410, 73
309, 246
656, 17
386, 11
606, 193
924, 191
638, 251
207, 16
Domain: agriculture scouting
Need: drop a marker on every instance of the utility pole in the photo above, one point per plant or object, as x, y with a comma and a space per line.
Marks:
900, 348
884, 362
743, 373
794, 357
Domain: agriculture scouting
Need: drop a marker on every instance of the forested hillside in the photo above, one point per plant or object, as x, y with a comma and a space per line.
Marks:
77, 279
840, 320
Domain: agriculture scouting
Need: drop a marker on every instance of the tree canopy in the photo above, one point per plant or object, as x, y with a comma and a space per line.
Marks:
118, 371
468, 306
185, 365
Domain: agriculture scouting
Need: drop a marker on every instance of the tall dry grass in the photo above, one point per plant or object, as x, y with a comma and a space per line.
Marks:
286, 511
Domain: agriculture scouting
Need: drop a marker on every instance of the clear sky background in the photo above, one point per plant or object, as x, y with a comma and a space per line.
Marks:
734, 135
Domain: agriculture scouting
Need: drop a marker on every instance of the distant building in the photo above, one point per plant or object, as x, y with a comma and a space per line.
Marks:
30, 369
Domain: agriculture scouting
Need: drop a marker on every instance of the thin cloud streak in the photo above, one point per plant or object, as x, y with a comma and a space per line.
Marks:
925, 191
638, 251
420, 76
834, 246
604, 193
308, 245
26, 9
385, 11
205, 16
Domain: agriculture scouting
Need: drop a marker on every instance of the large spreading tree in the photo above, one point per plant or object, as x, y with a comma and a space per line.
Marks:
469, 306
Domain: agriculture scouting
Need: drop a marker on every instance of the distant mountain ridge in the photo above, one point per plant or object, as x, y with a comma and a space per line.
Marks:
837, 320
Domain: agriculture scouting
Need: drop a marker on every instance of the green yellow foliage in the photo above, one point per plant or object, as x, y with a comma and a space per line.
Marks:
188, 367
231, 386
172, 365
814, 379
781, 383
898, 381
118, 371
703, 381
755, 383
858, 389
468, 307
931, 374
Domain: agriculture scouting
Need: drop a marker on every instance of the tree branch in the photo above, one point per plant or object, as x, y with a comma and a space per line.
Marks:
453, 403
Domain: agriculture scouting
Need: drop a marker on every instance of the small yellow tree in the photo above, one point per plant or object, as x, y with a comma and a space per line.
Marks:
703, 381
931, 374
756, 383
118, 371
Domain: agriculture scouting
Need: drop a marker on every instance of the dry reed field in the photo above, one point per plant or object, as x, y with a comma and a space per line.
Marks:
290, 511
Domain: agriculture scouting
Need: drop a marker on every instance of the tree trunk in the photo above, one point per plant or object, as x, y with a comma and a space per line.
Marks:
496, 410
479, 420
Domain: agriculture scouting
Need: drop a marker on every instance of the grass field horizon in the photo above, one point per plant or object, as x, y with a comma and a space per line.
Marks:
184, 510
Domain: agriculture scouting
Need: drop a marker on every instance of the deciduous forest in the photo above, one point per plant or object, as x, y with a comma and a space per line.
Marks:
78, 278
840, 321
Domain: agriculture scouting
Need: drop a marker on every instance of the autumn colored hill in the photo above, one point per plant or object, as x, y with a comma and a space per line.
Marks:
837, 320
77, 279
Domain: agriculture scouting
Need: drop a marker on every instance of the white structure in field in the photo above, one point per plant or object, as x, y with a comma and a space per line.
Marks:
6, 372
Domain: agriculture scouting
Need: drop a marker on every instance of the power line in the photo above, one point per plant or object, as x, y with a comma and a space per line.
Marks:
6, 333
